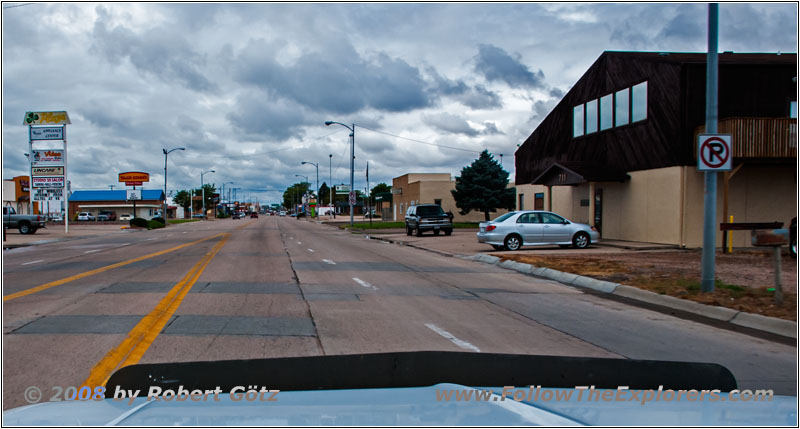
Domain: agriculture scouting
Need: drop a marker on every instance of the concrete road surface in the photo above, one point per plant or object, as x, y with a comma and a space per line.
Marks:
76, 311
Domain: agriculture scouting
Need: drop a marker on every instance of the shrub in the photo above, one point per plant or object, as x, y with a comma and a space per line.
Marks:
159, 219
153, 224
137, 221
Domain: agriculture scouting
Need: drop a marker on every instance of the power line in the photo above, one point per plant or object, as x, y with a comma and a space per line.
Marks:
18, 5
419, 141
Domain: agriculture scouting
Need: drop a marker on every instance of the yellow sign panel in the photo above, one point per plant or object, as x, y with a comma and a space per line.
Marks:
134, 176
46, 118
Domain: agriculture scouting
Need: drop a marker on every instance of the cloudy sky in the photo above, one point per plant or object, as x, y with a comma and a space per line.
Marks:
246, 88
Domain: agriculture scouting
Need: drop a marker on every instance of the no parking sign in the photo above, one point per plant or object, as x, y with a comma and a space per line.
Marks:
714, 152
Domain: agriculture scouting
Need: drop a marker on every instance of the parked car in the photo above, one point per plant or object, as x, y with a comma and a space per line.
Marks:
793, 237
282, 213
427, 217
56, 218
254, 215
107, 215
125, 216
86, 216
27, 224
513, 230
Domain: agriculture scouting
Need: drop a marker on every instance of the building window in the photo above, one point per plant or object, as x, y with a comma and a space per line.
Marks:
606, 112
577, 121
639, 102
438, 202
591, 116
538, 201
622, 101
521, 205
793, 109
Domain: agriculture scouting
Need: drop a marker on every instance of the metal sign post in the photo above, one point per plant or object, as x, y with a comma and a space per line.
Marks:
710, 195
55, 177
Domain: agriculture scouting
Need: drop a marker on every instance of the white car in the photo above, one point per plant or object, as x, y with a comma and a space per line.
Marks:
86, 216
513, 230
125, 216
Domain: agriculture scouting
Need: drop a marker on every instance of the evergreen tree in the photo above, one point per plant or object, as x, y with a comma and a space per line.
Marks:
482, 187
324, 194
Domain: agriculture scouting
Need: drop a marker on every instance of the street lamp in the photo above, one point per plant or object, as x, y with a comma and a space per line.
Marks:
227, 200
203, 190
166, 152
352, 160
318, 197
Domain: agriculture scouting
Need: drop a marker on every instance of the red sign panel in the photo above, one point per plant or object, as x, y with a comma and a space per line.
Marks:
134, 176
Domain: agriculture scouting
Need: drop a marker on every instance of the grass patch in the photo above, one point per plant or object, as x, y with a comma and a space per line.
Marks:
182, 220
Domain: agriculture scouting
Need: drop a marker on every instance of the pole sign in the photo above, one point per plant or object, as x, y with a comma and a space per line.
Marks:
48, 194
714, 152
342, 189
46, 118
48, 157
133, 194
56, 170
134, 176
47, 133
48, 182
352, 198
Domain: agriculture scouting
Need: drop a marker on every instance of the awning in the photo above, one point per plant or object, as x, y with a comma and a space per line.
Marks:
561, 174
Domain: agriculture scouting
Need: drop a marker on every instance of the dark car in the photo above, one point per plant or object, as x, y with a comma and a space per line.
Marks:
793, 237
427, 217
107, 215
254, 215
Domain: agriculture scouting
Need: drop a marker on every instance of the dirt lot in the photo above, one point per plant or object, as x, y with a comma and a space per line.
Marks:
742, 278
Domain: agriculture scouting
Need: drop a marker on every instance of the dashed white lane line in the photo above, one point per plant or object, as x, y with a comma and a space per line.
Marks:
299, 242
92, 251
461, 343
328, 261
33, 262
311, 250
363, 283
151, 239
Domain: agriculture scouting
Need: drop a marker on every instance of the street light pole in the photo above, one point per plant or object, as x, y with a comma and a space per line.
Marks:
227, 199
203, 190
306, 181
166, 152
318, 196
352, 161
330, 183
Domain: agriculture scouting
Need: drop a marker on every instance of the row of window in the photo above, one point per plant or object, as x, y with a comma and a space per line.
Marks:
623, 107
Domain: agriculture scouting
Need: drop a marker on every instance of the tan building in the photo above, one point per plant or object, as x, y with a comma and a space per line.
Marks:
619, 151
429, 188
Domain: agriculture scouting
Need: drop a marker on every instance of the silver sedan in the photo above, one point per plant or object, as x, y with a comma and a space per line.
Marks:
513, 230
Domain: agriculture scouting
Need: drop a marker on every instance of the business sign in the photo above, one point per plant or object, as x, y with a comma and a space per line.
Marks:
46, 118
133, 183
56, 170
48, 182
47, 157
47, 133
48, 194
714, 152
342, 189
134, 176
133, 194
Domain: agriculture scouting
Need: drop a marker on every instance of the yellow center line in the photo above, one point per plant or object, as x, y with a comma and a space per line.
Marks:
101, 269
139, 339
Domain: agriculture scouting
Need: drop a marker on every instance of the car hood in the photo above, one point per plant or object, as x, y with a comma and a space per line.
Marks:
423, 406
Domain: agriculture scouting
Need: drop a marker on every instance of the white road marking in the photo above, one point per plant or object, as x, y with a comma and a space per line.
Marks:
151, 239
169, 235
328, 261
461, 343
311, 250
299, 242
34, 262
363, 283
291, 238
92, 251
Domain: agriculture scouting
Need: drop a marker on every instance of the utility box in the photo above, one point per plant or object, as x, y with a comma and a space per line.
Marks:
770, 237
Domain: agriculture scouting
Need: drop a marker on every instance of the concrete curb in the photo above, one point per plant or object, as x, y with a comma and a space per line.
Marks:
785, 328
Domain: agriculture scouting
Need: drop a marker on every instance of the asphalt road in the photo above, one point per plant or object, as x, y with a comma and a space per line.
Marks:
75, 311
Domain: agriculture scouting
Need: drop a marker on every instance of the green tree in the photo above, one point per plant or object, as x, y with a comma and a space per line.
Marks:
379, 189
482, 186
209, 196
324, 194
183, 199
294, 194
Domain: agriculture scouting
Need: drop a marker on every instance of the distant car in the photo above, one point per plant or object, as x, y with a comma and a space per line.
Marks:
125, 216
86, 216
254, 215
427, 217
198, 216
513, 230
282, 213
56, 218
107, 215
